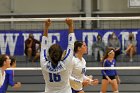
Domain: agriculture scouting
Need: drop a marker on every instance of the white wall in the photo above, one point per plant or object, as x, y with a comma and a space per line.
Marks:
116, 5
5, 6
53, 6
39, 6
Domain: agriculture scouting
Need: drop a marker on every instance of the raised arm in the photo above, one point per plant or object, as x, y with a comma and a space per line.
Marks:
44, 43
71, 40
47, 24
69, 22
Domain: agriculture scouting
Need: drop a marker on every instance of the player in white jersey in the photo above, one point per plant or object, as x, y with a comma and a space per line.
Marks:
56, 72
79, 69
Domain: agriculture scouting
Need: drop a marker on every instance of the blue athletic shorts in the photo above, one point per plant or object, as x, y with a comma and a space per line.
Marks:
75, 91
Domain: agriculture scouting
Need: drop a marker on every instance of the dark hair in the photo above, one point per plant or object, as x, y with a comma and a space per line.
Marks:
55, 53
106, 53
31, 35
131, 36
99, 36
13, 60
2, 59
77, 44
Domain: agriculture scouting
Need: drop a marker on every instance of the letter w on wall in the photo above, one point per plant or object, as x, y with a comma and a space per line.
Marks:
8, 41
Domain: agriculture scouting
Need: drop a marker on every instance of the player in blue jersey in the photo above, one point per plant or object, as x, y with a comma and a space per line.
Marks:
4, 64
109, 76
56, 72
9, 79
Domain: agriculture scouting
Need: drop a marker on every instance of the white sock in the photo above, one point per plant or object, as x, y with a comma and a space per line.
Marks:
116, 91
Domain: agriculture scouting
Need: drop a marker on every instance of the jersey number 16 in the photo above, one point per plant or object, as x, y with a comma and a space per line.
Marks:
54, 77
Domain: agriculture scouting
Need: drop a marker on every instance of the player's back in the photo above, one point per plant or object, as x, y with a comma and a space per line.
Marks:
58, 82
57, 77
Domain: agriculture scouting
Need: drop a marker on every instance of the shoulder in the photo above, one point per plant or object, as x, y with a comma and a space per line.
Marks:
114, 61
74, 58
84, 60
105, 61
9, 71
27, 40
36, 40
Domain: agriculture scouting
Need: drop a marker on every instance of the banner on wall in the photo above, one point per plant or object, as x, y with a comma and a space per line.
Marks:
12, 42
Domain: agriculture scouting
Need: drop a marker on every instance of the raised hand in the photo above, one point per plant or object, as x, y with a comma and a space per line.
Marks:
47, 23
69, 22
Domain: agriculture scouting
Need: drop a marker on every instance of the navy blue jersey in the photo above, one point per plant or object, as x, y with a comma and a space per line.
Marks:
107, 63
8, 81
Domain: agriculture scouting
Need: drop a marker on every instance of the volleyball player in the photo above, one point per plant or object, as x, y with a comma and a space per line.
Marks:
4, 64
56, 72
109, 76
9, 79
79, 69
